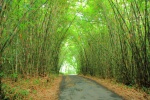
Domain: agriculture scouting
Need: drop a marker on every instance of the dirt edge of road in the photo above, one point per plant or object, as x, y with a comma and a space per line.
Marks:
128, 93
49, 93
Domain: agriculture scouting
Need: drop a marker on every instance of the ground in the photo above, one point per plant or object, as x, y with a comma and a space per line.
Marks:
41, 88
32, 88
50, 93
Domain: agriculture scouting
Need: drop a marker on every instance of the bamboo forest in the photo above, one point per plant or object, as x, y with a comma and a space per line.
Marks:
42, 41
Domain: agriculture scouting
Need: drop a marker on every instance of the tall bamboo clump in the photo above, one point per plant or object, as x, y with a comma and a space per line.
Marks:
30, 35
120, 48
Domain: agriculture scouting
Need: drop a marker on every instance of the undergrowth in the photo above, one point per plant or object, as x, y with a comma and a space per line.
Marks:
24, 87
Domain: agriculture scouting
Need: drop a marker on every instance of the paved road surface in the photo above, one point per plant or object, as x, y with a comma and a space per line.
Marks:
79, 88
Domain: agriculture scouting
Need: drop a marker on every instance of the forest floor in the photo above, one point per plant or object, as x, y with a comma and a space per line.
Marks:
32, 88
128, 93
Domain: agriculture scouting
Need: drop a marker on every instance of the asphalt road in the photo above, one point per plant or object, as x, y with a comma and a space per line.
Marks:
79, 88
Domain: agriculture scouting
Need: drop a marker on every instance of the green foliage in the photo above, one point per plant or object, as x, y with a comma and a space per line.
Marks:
15, 93
145, 89
1, 74
30, 37
34, 91
115, 42
36, 82
69, 56
106, 38
14, 75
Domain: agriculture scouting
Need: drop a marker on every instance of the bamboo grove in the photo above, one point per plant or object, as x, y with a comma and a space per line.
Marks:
30, 35
111, 37
118, 41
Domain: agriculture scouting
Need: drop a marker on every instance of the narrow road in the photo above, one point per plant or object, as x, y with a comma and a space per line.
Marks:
79, 88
